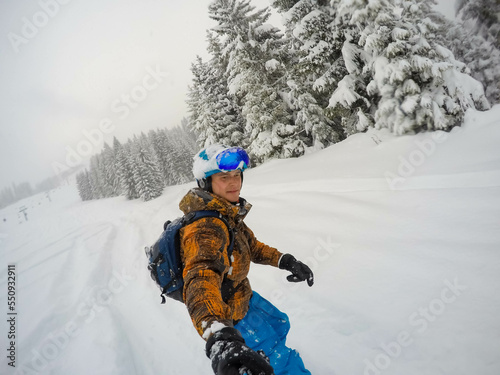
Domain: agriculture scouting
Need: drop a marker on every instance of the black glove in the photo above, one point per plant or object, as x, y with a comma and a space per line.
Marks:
230, 356
300, 272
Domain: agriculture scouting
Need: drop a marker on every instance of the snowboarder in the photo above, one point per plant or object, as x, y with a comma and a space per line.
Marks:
244, 331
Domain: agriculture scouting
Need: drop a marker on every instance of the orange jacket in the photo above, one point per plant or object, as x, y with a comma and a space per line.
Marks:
204, 255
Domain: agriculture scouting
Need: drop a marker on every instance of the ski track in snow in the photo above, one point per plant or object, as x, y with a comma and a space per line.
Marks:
409, 262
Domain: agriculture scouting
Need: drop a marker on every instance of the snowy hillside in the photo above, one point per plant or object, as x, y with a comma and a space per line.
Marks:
403, 234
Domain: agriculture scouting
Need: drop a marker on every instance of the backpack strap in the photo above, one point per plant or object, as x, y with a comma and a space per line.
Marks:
196, 215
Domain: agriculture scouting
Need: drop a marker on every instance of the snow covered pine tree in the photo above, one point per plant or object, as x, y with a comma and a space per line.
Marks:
314, 68
253, 52
407, 80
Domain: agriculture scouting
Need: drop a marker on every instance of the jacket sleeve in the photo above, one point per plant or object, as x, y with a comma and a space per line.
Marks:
260, 252
203, 245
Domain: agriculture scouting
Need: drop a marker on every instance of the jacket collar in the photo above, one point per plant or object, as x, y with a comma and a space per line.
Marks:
197, 200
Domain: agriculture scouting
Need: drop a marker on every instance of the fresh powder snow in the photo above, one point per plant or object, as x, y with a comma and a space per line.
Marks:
402, 233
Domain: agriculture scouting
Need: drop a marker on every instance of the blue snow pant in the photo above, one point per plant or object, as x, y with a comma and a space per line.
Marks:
264, 327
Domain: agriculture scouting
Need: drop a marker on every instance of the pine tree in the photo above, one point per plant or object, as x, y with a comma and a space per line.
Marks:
110, 171
471, 47
171, 147
184, 150
147, 176
155, 138
482, 17
215, 113
83, 186
125, 170
314, 69
399, 76
191, 136
200, 103
173, 156
96, 178
195, 99
254, 54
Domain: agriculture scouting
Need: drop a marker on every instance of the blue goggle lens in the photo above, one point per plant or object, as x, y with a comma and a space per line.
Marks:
233, 158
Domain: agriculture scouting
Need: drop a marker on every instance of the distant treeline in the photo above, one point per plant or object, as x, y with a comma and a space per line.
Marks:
16, 192
140, 168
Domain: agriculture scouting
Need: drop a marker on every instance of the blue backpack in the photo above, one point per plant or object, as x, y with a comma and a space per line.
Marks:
164, 257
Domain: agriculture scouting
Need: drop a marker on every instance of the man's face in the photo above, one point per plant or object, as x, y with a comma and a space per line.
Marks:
227, 185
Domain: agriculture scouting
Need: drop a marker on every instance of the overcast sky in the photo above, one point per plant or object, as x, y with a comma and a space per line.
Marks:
73, 71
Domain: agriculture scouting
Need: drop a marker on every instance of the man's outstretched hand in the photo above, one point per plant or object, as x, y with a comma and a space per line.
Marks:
300, 271
230, 356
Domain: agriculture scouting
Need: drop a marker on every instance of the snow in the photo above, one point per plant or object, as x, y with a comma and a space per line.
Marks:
345, 93
265, 28
272, 65
363, 121
421, 63
402, 234
214, 327
458, 81
410, 104
301, 27
350, 52
399, 33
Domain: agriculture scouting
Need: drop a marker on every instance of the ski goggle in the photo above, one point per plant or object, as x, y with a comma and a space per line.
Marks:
233, 158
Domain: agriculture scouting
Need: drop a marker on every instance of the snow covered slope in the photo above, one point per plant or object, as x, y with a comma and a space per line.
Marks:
403, 234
